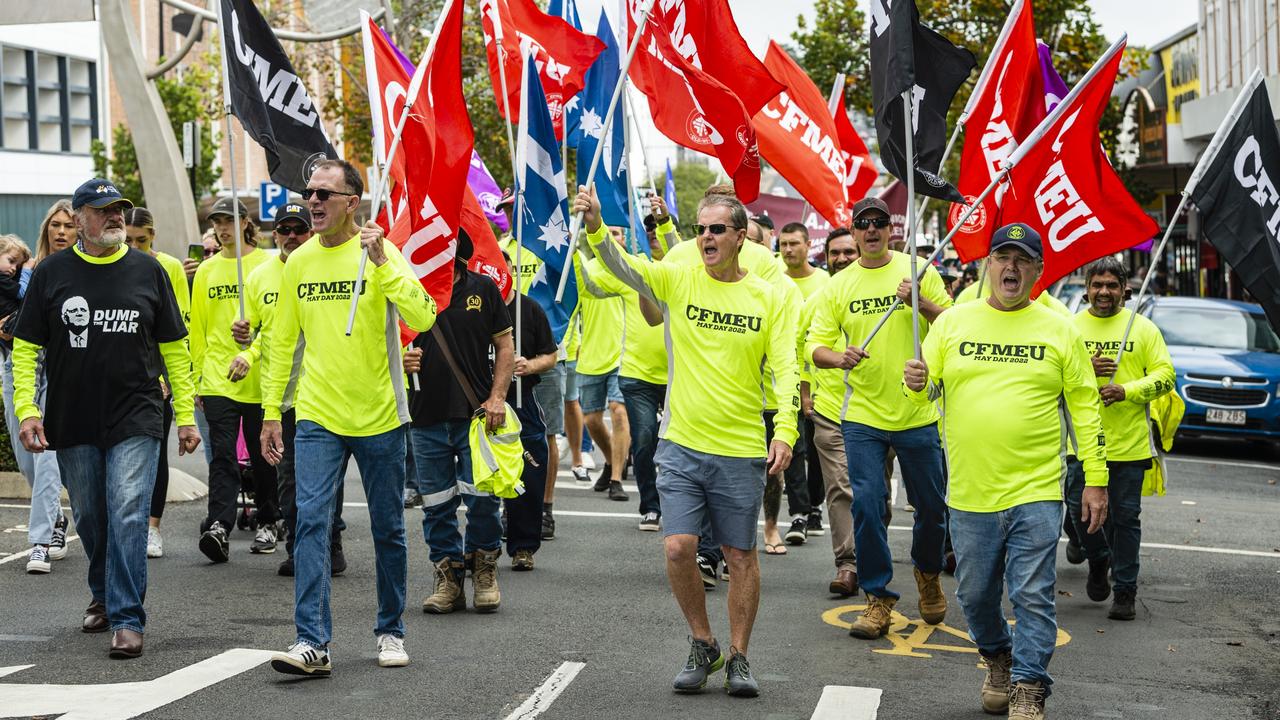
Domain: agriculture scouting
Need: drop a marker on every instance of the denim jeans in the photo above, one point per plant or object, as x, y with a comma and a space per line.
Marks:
1121, 535
919, 453
644, 400
40, 469
443, 454
318, 468
524, 513
1018, 548
110, 494
289, 488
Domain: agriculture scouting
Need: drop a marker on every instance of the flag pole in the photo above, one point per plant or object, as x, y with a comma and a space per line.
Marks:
910, 229
238, 235
644, 149
631, 188
576, 224
511, 147
411, 97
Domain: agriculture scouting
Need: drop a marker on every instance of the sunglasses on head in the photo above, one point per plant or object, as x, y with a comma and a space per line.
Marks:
714, 229
323, 195
291, 230
864, 223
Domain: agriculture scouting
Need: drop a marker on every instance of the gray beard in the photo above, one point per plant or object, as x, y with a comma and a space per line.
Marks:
110, 238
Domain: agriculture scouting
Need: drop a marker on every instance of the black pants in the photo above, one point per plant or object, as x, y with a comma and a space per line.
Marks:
289, 485
797, 485
813, 465
225, 416
524, 513
161, 488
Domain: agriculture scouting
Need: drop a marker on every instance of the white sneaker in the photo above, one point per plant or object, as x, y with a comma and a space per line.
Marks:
58, 545
302, 659
580, 474
391, 651
588, 462
155, 543
39, 563
562, 446
264, 543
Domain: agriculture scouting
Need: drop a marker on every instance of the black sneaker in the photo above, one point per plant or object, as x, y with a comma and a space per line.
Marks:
813, 526
548, 525
1122, 606
1075, 553
651, 522
704, 659
214, 545
337, 559
707, 567
602, 481
1098, 586
58, 544
617, 493
738, 681
286, 567
796, 533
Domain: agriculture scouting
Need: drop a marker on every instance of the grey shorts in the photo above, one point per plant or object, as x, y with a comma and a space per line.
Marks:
597, 392
549, 392
571, 381
728, 490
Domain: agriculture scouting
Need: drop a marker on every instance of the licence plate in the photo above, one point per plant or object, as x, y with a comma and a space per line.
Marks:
1226, 417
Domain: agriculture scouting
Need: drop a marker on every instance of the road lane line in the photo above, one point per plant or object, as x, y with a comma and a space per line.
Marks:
1203, 461
27, 552
842, 702
547, 692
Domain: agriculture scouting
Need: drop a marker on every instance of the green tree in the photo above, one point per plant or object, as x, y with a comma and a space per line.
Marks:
835, 42
691, 180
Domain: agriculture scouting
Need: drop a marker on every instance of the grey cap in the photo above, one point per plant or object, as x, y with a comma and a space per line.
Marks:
870, 203
224, 206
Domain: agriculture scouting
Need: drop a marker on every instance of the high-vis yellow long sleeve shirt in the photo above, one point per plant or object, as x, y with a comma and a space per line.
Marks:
215, 304
853, 303
529, 263
1044, 298
178, 279
602, 322
1145, 372
262, 291
1001, 374
354, 385
755, 259
644, 350
721, 334
811, 283
826, 385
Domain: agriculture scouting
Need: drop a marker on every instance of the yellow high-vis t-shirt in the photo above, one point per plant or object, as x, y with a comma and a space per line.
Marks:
178, 278
215, 304
811, 283
601, 343
1044, 298
826, 385
644, 350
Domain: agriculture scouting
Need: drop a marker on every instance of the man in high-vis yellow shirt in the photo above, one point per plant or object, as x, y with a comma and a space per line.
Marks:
1000, 367
350, 398
723, 325
1145, 373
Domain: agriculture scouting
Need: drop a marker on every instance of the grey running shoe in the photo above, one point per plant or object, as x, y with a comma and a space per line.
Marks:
738, 681
704, 659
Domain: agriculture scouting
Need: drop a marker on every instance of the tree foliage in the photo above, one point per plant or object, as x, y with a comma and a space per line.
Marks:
691, 180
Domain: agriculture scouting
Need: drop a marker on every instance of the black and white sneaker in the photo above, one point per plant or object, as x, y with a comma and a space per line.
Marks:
548, 525
302, 659
797, 533
38, 563
214, 544
707, 567
264, 543
738, 681
580, 474
58, 544
814, 525
649, 523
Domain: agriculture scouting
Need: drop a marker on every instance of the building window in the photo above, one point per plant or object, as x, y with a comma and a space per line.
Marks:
49, 103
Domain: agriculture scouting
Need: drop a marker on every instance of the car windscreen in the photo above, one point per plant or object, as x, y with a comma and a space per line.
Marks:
1216, 327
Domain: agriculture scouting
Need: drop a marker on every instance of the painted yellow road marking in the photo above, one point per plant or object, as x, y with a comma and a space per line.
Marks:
920, 637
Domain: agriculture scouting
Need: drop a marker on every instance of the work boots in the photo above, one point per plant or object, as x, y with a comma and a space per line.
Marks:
933, 603
995, 687
874, 621
484, 581
1026, 701
448, 594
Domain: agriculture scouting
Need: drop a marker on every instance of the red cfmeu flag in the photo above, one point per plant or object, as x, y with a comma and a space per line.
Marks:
486, 256
514, 28
695, 109
1007, 105
797, 135
1066, 189
860, 171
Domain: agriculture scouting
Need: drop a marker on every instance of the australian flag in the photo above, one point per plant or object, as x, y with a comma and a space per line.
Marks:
542, 203
669, 193
568, 11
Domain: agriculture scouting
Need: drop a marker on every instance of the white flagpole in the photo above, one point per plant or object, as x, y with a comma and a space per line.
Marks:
411, 97
238, 233
578, 219
631, 187
644, 149
910, 228
515, 171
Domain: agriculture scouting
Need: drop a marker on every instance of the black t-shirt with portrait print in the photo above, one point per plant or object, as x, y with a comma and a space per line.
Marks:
475, 316
101, 322
535, 339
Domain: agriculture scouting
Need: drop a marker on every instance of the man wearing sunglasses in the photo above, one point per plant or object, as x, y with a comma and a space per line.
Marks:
726, 329
876, 416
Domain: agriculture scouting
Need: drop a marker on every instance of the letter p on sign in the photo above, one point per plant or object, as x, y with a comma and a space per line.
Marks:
271, 197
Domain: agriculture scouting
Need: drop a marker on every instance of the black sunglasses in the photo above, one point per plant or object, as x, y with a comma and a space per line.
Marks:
864, 223
714, 229
323, 195
292, 230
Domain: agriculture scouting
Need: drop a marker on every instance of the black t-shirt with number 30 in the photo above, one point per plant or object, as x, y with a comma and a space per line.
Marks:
101, 322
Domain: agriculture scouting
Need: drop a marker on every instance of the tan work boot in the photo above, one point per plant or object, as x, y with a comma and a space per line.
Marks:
995, 687
933, 604
1026, 701
485, 597
874, 621
448, 595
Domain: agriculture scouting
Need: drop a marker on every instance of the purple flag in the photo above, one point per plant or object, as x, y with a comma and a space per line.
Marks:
487, 192
1054, 89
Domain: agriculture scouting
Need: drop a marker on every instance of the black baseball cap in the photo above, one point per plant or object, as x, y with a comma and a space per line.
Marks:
870, 203
224, 206
763, 221
1020, 236
293, 211
98, 193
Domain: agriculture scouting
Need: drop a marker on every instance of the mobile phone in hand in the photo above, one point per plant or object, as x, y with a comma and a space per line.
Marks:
195, 251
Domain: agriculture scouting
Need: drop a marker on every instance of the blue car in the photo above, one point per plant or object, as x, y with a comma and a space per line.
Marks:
1227, 360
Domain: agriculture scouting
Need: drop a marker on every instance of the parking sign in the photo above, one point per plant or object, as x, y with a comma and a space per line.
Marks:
271, 197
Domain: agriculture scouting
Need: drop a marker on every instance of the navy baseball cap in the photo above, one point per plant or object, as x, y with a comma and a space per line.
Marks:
1019, 236
294, 211
98, 193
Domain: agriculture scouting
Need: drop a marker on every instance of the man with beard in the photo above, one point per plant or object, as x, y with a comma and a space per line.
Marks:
104, 409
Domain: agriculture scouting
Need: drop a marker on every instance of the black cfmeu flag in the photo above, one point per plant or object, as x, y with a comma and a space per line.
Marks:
1239, 202
269, 98
906, 55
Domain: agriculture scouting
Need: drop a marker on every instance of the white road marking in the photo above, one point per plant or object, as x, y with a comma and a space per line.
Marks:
841, 702
27, 553
1233, 463
121, 701
547, 692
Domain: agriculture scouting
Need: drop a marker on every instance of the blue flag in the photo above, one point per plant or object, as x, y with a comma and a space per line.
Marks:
669, 193
567, 10
543, 203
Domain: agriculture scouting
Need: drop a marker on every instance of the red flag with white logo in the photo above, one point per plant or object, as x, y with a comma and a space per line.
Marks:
1065, 188
1008, 103
562, 54
797, 135
860, 172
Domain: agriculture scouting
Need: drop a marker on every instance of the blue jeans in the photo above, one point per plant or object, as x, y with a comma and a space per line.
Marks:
1121, 534
318, 466
643, 402
110, 493
1015, 547
443, 454
40, 469
919, 453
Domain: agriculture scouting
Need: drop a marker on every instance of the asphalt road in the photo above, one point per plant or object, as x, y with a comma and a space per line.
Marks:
1206, 643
